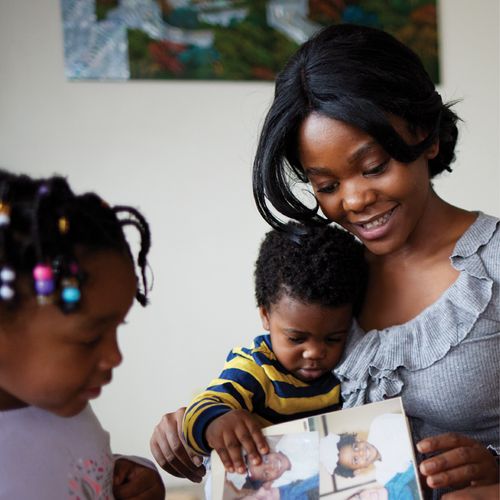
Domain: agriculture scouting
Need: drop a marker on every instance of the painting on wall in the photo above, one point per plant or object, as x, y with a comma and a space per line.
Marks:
222, 39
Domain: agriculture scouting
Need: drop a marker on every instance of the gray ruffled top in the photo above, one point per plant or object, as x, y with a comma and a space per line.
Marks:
445, 362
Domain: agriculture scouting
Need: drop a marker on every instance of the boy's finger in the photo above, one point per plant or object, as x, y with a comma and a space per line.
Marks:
251, 447
233, 447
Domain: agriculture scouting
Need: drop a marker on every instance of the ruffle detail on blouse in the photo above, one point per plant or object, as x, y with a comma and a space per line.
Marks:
370, 370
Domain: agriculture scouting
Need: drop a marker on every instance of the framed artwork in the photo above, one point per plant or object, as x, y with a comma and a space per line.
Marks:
222, 39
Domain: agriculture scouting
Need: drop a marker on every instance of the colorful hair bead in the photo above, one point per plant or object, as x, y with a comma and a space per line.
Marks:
44, 283
7, 277
4, 214
70, 291
63, 225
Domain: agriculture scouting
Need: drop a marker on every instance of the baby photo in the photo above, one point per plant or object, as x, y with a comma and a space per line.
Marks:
289, 470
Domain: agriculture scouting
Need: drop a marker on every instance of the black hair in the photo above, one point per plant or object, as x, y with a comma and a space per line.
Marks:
345, 440
360, 76
252, 484
44, 222
322, 265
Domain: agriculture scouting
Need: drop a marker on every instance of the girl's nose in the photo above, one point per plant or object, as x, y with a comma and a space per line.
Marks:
111, 355
356, 197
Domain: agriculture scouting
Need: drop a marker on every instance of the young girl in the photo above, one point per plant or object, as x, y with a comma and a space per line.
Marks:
67, 281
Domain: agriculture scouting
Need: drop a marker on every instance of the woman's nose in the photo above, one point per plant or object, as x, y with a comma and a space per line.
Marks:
356, 197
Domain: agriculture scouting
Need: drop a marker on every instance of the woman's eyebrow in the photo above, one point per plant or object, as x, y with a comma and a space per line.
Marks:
363, 151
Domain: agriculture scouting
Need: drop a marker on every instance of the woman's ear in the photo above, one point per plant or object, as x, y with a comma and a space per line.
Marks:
264, 317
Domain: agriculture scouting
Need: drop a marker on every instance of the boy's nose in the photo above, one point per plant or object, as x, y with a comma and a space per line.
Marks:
314, 352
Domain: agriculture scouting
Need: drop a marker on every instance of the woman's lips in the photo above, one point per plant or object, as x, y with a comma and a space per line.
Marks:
375, 228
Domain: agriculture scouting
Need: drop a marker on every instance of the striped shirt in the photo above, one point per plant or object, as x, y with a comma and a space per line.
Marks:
254, 380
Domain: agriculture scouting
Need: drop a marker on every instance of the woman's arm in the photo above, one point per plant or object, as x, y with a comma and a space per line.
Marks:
169, 450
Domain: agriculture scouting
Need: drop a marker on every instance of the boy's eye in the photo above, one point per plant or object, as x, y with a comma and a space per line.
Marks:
379, 169
334, 340
295, 340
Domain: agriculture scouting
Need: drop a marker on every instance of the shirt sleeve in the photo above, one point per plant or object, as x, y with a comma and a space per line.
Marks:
240, 386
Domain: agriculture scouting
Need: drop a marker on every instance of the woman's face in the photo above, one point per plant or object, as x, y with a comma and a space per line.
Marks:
358, 185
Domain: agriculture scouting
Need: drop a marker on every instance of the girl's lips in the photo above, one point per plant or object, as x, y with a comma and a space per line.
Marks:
92, 393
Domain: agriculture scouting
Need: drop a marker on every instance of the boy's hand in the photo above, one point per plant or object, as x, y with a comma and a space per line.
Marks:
167, 447
461, 462
230, 432
135, 481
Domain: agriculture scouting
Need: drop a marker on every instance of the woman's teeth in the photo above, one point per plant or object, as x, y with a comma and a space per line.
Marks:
377, 222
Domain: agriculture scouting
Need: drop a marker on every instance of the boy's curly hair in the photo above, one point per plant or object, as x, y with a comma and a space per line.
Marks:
320, 265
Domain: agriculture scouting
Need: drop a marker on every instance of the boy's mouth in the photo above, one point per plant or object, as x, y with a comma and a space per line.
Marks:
311, 373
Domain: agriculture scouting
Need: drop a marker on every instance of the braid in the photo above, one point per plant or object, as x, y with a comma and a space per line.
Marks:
48, 222
140, 223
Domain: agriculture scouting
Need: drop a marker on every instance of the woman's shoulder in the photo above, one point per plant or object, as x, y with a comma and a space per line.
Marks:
477, 250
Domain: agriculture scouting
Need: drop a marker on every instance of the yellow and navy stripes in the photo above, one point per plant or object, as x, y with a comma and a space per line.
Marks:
254, 380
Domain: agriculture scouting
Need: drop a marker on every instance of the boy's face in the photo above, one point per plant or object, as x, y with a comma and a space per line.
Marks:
308, 339
58, 361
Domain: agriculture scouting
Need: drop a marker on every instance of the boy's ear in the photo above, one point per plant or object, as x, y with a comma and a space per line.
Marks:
433, 150
264, 317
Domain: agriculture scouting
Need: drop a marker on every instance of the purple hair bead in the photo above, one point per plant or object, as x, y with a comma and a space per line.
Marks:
45, 287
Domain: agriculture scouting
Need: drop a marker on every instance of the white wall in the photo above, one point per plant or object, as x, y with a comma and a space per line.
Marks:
182, 153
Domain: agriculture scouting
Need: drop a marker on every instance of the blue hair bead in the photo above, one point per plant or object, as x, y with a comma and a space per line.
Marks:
71, 294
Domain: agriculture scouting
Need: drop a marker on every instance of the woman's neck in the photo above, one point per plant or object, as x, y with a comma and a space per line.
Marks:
405, 282
437, 231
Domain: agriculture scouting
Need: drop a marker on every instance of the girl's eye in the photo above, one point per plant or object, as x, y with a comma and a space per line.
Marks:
91, 342
329, 188
379, 169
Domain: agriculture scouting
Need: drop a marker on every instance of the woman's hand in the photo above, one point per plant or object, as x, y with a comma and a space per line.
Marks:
491, 492
460, 462
168, 449
232, 431
135, 481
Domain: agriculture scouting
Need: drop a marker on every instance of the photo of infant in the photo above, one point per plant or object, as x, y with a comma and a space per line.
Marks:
290, 470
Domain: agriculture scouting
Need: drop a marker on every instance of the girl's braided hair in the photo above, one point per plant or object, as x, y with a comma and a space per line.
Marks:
42, 221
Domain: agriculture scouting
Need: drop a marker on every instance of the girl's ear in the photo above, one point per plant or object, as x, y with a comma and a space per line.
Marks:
433, 150
264, 317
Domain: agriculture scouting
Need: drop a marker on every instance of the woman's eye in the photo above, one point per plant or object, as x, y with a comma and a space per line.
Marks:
379, 169
329, 188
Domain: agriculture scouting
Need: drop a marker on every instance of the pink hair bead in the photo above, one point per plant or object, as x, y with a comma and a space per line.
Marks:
43, 272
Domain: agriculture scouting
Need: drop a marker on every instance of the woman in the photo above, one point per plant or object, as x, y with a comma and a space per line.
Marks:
356, 117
